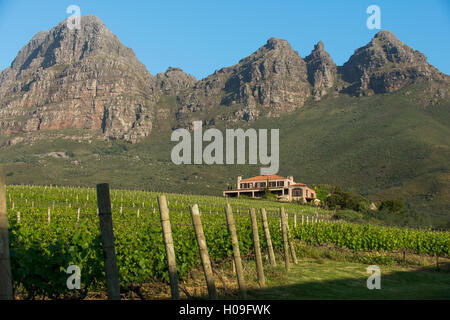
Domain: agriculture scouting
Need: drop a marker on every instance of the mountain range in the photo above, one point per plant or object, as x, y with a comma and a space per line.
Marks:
377, 125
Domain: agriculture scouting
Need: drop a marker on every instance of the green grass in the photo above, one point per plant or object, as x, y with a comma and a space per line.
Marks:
328, 279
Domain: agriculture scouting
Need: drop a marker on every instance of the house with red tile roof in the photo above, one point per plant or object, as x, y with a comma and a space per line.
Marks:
284, 187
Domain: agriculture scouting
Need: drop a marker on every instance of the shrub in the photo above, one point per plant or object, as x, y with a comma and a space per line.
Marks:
267, 194
322, 192
349, 215
394, 206
347, 200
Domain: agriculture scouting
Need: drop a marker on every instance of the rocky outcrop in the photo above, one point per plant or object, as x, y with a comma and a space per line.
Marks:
174, 80
82, 78
274, 77
272, 80
386, 64
322, 71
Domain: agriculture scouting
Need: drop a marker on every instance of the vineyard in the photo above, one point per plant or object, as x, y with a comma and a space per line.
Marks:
52, 228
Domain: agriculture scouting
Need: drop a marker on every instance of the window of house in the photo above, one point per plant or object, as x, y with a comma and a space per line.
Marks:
272, 184
280, 183
297, 192
250, 185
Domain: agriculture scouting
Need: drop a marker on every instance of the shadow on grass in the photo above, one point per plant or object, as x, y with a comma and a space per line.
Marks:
420, 283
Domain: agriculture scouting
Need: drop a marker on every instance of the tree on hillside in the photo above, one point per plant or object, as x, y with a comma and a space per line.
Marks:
338, 199
393, 205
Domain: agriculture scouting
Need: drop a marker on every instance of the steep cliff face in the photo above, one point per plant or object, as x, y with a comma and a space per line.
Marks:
386, 64
273, 80
82, 78
322, 71
273, 77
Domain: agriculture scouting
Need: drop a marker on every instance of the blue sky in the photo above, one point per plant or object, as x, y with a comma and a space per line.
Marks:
201, 36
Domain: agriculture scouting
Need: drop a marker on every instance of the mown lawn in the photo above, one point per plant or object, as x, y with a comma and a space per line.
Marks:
328, 279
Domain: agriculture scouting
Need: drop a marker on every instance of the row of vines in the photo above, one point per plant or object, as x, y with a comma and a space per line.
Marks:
59, 227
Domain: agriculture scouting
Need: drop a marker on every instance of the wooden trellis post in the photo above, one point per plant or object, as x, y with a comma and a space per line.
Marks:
168, 242
6, 292
107, 235
291, 246
206, 262
236, 253
285, 238
268, 238
258, 258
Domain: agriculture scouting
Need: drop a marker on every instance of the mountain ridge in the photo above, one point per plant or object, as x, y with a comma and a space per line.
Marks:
106, 88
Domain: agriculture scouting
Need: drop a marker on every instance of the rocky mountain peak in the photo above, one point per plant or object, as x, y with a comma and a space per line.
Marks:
270, 81
274, 77
385, 35
174, 80
386, 64
322, 71
277, 44
273, 47
92, 19
61, 45
88, 73
319, 46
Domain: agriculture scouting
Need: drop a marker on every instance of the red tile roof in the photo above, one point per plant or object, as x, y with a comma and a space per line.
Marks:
264, 178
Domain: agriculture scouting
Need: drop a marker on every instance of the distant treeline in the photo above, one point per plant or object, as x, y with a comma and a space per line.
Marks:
354, 207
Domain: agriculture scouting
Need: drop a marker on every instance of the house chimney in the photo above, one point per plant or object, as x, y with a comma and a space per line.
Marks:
239, 178
291, 179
